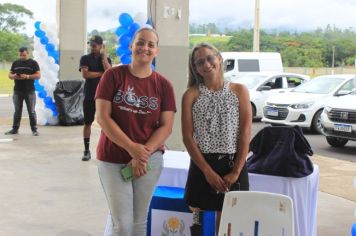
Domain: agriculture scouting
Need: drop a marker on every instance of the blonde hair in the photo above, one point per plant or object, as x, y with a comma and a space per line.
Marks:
194, 78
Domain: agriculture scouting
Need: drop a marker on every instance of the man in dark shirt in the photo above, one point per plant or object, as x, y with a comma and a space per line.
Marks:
24, 71
92, 67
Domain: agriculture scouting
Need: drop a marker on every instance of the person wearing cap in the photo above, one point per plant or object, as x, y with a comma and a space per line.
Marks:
92, 66
24, 71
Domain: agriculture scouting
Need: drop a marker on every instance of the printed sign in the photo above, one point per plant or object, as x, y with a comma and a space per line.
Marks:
169, 223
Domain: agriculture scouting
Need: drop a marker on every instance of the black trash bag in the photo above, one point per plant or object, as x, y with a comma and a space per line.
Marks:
69, 97
280, 151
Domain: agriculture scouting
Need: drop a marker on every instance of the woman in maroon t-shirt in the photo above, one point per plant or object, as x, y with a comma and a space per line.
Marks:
135, 109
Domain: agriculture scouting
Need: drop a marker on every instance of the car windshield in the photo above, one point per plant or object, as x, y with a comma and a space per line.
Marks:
319, 85
250, 81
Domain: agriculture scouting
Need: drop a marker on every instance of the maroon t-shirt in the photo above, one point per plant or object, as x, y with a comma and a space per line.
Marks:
136, 107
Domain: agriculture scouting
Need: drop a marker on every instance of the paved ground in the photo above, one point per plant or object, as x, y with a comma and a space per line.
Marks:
47, 190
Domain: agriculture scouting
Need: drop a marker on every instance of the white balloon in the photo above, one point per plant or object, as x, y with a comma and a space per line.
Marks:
56, 42
56, 67
44, 27
48, 113
35, 54
140, 18
51, 60
41, 118
53, 120
42, 54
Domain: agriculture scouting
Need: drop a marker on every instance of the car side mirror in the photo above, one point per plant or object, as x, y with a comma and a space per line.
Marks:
264, 88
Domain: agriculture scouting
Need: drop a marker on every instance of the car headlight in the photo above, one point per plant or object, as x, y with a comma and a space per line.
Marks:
327, 109
302, 105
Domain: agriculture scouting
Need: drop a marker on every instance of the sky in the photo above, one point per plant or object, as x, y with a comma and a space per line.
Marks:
295, 15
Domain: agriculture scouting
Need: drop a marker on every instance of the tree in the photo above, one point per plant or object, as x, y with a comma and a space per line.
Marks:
11, 15
9, 45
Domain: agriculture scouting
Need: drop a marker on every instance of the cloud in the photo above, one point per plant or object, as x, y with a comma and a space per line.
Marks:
292, 14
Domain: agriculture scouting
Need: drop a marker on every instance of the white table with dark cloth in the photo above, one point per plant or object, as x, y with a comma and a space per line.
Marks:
303, 190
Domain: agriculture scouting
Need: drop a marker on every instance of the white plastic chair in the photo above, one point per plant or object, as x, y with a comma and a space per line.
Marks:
249, 213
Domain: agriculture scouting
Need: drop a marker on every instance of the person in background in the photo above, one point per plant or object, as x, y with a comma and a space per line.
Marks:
216, 129
135, 109
92, 67
24, 72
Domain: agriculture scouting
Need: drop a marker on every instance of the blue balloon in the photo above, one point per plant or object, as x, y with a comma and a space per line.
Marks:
44, 40
40, 33
125, 40
38, 25
48, 100
133, 28
50, 47
56, 54
40, 88
42, 94
125, 59
37, 83
353, 229
122, 50
121, 30
50, 106
153, 67
55, 112
37, 86
125, 19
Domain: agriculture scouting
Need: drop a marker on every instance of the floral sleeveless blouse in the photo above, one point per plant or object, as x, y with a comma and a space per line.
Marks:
216, 120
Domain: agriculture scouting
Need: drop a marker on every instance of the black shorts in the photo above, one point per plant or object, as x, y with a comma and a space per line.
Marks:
89, 111
199, 193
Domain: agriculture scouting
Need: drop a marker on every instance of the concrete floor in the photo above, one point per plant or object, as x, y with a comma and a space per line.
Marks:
47, 190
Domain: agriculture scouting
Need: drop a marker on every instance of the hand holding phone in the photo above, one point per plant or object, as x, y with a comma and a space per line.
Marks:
127, 173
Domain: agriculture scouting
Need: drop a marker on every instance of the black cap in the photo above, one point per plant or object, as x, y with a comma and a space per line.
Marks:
95, 39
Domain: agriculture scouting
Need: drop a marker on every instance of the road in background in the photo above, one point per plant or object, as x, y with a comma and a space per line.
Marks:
317, 141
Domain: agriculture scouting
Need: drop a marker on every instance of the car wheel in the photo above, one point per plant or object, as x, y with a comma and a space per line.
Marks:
253, 108
336, 142
316, 122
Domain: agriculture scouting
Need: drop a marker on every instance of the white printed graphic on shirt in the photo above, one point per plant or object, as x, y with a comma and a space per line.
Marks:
132, 100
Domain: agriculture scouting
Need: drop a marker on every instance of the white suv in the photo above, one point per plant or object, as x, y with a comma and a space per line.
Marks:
338, 120
303, 105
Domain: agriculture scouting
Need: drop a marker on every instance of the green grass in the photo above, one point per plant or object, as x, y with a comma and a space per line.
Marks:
6, 84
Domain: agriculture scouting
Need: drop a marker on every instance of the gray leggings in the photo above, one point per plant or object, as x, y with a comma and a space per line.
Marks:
129, 201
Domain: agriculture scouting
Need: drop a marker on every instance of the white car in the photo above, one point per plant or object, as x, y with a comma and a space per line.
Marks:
303, 105
338, 120
264, 84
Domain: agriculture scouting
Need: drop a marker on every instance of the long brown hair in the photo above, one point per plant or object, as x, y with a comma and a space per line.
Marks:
194, 78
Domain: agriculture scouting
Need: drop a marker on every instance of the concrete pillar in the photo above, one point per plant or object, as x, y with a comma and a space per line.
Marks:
72, 24
170, 19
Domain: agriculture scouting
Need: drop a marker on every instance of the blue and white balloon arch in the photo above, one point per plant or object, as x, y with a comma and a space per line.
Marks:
46, 53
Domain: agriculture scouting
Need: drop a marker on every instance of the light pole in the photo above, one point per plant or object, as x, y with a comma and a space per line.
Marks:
333, 61
256, 28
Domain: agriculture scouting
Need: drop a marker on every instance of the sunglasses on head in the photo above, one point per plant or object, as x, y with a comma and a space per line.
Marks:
201, 61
